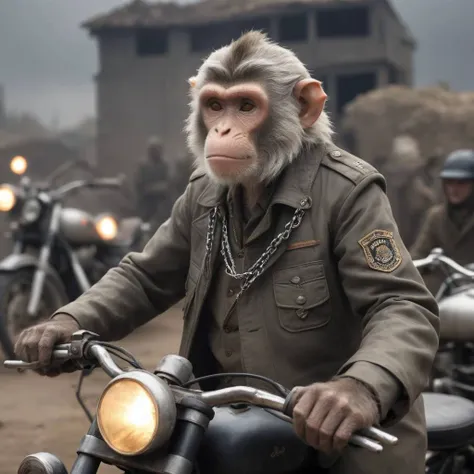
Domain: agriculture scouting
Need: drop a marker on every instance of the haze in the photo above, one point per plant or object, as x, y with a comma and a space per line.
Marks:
47, 62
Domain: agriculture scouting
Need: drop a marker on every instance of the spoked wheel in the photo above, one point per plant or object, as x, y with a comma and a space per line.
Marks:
15, 291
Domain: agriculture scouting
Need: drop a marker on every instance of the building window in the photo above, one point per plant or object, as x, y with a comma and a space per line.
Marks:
293, 27
349, 86
151, 41
210, 37
343, 22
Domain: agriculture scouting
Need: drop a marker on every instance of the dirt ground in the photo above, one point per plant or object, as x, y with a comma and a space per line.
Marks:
40, 414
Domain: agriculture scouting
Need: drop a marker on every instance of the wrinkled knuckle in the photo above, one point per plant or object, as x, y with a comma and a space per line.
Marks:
358, 418
325, 434
329, 396
312, 425
297, 412
343, 404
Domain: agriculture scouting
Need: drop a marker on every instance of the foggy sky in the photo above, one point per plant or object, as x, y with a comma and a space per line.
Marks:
47, 62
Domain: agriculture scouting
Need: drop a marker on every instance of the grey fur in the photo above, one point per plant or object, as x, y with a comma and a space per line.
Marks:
255, 57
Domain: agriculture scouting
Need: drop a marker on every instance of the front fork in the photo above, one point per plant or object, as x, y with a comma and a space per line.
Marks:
45, 252
39, 276
179, 457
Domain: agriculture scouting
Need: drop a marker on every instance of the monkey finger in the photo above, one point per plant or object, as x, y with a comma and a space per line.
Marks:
20, 346
31, 348
329, 428
46, 345
318, 414
301, 411
343, 434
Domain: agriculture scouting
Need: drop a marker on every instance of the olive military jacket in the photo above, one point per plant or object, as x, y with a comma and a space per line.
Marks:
439, 231
341, 296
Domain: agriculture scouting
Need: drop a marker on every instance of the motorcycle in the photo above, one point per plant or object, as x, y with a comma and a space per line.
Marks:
58, 252
155, 422
453, 370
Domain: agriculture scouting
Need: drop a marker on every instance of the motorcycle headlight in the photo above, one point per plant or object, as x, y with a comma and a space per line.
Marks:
18, 165
106, 227
7, 198
31, 210
136, 413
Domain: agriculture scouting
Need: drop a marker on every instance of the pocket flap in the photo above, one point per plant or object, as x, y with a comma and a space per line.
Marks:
301, 286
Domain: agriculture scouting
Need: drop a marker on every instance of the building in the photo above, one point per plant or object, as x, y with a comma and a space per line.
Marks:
148, 51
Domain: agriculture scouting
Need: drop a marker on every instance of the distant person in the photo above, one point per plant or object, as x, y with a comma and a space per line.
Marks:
450, 225
407, 187
151, 185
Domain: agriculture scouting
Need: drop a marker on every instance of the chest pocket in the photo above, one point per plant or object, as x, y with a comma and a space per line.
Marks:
302, 296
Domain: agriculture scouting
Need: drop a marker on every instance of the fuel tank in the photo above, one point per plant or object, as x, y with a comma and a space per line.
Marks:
243, 439
456, 314
78, 227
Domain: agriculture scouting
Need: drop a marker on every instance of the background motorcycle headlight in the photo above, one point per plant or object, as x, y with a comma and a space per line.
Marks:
136, 413
106, 227
7, 198
31, 210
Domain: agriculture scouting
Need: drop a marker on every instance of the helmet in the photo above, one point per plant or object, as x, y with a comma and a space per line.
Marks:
459, 165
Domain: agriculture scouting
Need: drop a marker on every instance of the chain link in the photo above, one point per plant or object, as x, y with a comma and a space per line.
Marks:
258, 267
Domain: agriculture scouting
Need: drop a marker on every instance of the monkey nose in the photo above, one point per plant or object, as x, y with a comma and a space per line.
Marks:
222, 131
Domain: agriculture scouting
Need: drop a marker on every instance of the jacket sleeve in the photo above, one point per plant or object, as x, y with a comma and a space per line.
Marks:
426, 240
399, 316
143, 284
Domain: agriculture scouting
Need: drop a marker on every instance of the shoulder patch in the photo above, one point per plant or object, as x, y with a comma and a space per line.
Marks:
196, 174
381, 251
348, 165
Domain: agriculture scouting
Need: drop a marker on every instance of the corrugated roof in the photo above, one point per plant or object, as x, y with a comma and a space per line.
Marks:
139, 13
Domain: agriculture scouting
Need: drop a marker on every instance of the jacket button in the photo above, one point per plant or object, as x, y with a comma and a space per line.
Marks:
336, 154
295, 280
301, 299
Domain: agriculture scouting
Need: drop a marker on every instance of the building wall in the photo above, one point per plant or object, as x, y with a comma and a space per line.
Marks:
138, 97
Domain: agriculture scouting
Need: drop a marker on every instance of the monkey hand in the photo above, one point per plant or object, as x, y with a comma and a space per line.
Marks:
37, 343
326, 415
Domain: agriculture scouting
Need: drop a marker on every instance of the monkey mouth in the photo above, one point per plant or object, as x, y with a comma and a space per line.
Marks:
226, 157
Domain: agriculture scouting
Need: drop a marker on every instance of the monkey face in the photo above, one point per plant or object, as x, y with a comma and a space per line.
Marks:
233, 117
254, 108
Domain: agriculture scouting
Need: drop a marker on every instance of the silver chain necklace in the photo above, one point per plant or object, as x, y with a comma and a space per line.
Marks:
258, 267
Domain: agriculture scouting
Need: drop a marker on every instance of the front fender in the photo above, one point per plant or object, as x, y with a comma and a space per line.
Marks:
15, 262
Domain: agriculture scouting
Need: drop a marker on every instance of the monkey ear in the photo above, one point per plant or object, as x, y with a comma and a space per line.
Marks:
312, 98
192, 81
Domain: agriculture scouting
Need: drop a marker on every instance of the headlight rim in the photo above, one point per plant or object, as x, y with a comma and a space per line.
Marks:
164, 402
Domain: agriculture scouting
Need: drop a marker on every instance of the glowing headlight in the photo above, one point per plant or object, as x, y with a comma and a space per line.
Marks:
31, 210
18, 165
7, 198
136, 413
106, 227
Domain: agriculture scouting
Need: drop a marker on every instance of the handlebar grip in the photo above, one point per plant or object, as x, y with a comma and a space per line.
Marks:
58, 355
290, 403
368, 438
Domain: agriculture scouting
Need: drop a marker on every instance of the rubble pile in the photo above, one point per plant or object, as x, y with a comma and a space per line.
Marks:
439, 120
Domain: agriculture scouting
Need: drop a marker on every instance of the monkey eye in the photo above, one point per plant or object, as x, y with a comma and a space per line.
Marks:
214, 105
247, 106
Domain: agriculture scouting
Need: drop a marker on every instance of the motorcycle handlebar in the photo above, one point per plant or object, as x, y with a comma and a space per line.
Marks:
371, 438
436, 256
113, 183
